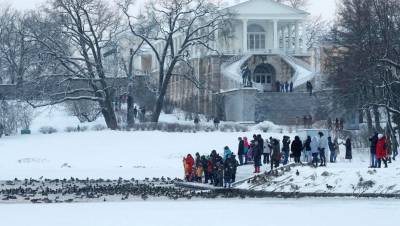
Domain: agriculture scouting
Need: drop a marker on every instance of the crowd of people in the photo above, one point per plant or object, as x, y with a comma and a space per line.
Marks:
271, 152
338, 125
381, 150
215, 169
284, 87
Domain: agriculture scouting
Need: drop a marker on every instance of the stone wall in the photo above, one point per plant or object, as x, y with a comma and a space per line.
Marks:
240, 105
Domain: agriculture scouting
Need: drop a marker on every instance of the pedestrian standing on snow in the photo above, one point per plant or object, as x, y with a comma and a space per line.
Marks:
307, 150
336, 147
286, 149
322, 144
332, 156
286, 86
228, 171
189, 164
235, 166
276, 155
291, 86
381, 150
241, 150
349, 154
267, 151
257, 152
227, 153
373, 142
314, 151
389, 148
199, 168
297, 147
216, 123
246, 147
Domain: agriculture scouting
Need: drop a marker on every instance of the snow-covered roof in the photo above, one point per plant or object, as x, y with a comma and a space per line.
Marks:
266, 8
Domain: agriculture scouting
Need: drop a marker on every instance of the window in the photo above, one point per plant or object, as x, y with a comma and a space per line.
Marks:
255, 37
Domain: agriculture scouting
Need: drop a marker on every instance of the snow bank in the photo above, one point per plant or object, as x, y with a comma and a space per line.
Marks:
341, 177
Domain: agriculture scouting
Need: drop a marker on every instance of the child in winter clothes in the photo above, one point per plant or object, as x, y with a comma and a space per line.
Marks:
246, 147
189, 164
227, 153
229, 168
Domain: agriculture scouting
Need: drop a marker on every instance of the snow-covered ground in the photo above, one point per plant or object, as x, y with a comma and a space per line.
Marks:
106, 154
114, 154
342, 177
254, 212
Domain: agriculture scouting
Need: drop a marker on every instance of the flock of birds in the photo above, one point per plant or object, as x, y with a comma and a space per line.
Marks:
99, 190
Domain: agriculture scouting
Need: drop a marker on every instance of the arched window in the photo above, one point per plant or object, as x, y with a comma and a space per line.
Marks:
255, 37
264, 73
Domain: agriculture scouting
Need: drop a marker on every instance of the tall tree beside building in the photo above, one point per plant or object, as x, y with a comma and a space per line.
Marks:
77, 34
195, 22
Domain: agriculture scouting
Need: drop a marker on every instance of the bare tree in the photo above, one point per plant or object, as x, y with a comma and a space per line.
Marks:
195, 22
18, 54
77, 34
316, 31
297, 4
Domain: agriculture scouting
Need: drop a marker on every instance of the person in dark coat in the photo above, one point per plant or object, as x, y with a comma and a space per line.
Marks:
278, 86
307, 150
216, 122
373, 141
349, 154
332, 156
291, 86
297, 147
228, 172
257, 152
286, 149
276, 154
235, 166
135, 112
204, 164
241, 150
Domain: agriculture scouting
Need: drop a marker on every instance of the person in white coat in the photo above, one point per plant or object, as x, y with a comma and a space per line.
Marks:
322, 147
314, 151
267, 150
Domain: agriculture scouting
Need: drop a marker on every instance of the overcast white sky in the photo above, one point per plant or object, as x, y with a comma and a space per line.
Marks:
326, 8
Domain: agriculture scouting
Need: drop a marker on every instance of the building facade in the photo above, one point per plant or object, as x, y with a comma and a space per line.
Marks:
268, 40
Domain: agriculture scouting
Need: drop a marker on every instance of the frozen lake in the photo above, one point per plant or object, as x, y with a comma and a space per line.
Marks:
324, 212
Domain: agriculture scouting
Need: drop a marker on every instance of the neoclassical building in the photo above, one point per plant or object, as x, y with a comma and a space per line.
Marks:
269, 39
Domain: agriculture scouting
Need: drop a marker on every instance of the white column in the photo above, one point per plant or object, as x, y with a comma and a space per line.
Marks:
303, 37
216, 40
276, 41
244, 35
284, 38
297, 36
290, 41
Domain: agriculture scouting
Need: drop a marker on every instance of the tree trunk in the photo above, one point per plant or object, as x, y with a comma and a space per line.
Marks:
109, 113
377, 118
369, 120
393, 137
130, 117
158, 108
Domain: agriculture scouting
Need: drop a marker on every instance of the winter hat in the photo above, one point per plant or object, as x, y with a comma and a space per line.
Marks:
380, 136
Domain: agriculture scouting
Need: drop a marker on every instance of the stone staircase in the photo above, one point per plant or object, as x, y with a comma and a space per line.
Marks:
283, 108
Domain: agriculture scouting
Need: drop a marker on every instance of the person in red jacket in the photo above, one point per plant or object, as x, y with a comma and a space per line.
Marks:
381, 150
189, 165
